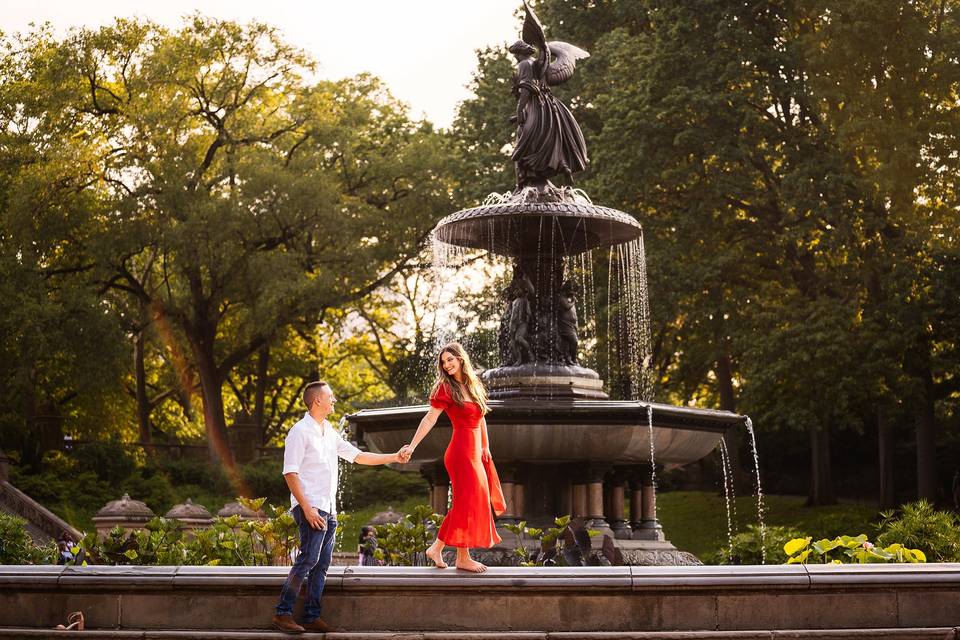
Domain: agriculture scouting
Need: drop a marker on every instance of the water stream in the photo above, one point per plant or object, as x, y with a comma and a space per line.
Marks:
728, 494
760, 507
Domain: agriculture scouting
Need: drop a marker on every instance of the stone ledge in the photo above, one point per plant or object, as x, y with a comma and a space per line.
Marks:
636, 578
634, 600
926, 633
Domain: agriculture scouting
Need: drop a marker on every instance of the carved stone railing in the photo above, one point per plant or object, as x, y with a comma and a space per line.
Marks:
48, 523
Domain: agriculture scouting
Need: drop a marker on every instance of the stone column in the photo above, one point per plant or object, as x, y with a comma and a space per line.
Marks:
436, 475
579, 493
643, 506
596, 473
615, 511
519, 499
508, 483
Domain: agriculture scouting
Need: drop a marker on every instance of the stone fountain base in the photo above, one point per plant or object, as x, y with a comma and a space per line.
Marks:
861, 601
637, 553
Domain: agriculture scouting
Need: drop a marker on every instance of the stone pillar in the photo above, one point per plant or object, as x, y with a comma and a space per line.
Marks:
436, 475
615, 510
643, 506
519, 500
578, 493
510, 487
595, 475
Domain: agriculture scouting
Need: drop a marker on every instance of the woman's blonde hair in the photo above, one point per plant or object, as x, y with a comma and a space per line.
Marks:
472, 388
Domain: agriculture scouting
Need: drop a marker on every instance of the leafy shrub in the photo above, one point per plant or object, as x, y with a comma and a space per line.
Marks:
201, 473
365, 486
155, 490
109, 460
264, 478
405, 543
229, 541
918, 524
563, 544
746, 547
16, 546
847, 549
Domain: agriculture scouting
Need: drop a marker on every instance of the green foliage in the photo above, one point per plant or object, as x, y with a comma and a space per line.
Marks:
229, 541
264, 478
16, 546
847, 549
918, 524
696, 520
557, 545
111, 460
747, 547
405, 543
366, 486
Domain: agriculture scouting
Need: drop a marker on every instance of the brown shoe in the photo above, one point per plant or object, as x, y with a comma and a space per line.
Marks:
320, 626
287, 624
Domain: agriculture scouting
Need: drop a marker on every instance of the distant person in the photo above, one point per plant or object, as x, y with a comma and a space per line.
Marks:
310, 454
473, 478
367, 547
65, 546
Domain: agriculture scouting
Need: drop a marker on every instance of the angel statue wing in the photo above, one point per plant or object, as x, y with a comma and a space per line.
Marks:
564, 56
564, 62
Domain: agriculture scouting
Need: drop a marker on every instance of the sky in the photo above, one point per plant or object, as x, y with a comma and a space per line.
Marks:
423, 49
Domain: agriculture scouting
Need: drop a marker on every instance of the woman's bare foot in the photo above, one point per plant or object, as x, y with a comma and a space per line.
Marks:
435, 553
469, 564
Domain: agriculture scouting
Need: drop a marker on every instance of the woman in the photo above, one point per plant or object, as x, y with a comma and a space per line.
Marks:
469, 523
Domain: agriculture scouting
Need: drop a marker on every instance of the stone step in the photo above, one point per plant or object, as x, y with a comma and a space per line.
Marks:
928, 633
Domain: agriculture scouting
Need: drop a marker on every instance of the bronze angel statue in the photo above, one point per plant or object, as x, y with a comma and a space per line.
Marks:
549, 140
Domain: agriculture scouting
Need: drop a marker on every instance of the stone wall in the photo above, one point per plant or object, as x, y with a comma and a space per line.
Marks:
504, 599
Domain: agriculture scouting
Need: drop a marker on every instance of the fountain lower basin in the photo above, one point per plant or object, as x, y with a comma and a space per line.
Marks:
538, 430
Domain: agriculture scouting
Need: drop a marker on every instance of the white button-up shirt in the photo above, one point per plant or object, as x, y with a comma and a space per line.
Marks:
311, 450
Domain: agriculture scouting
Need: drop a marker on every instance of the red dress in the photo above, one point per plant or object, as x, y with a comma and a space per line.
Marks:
475, 484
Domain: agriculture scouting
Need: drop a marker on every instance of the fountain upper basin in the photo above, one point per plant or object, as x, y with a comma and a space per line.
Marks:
551, 431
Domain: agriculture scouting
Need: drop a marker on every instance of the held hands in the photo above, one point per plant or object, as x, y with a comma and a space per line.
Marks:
403, 455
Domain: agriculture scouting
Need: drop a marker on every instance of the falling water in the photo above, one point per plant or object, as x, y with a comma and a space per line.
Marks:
344, 479
728, 489
653, 464
760, 510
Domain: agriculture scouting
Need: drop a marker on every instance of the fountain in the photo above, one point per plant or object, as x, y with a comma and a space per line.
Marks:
562, 446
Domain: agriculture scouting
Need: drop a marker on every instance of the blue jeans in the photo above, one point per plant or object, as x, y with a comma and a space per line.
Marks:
316, 551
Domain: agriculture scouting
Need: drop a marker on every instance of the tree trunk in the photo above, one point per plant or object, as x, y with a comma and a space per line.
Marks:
143, 403
887, 497
821, 476
260, 397
211, 389
733, 437
927, 441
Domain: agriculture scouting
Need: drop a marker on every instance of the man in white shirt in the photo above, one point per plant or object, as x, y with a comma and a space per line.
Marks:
310, 455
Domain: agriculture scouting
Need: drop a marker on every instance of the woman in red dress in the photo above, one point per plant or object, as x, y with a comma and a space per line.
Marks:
473, 478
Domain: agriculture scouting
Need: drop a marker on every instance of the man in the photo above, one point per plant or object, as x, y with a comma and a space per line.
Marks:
310, 469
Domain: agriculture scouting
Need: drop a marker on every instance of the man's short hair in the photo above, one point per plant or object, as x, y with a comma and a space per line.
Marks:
311, 391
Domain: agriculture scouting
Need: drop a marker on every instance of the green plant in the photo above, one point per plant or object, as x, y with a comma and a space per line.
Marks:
566, 543
16, 546
918, 524
745, 547
847, 549
405, 542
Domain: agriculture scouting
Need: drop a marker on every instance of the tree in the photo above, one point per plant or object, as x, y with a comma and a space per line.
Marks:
236, 198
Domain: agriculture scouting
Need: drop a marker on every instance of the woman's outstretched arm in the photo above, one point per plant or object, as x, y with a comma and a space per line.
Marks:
425, 425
